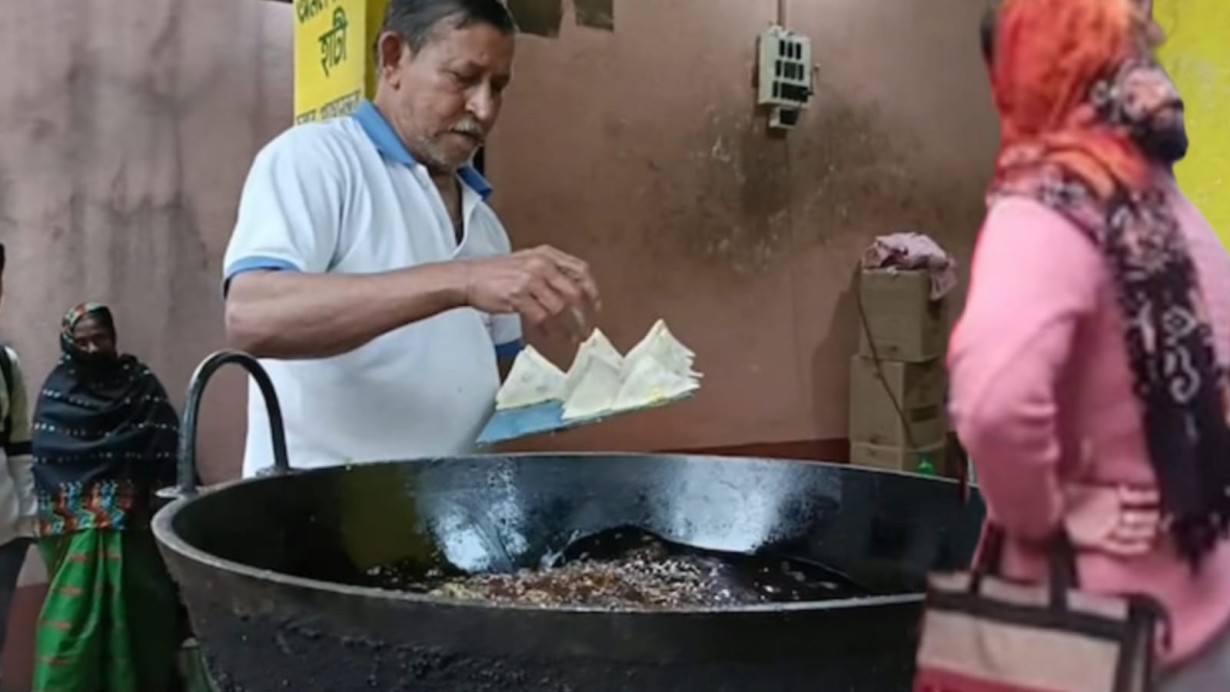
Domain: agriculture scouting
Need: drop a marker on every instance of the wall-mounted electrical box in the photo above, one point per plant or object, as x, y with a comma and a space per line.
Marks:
785, 75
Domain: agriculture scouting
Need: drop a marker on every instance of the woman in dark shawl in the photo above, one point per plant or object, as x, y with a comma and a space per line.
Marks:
104, 441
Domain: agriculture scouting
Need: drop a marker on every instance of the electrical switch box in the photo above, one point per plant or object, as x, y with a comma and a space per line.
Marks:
785, 75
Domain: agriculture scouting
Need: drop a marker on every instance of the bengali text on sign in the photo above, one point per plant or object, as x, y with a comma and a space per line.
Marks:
330, 57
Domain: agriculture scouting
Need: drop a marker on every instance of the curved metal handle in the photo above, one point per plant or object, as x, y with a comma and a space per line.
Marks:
186, 469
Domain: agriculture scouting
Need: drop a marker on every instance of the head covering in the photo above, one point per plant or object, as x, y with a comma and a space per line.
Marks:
96, 311
1156, 123
1066, 78
104, 437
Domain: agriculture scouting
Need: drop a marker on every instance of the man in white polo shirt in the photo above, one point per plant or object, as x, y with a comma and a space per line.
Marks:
366, 269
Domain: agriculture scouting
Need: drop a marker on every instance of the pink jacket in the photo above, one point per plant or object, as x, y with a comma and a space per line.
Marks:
1042, 401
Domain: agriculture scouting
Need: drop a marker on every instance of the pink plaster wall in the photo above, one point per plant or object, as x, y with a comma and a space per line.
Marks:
126, 129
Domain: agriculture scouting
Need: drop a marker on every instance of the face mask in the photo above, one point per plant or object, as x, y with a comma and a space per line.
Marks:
96, 360
1138, 98
1164, 144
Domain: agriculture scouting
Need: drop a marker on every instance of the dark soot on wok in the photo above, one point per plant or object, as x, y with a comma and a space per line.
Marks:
632, 568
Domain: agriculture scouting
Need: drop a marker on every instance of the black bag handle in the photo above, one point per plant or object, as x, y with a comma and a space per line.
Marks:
1144, 611
6, 369
1061, 556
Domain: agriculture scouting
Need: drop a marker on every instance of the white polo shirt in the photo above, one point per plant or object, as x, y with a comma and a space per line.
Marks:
345, 196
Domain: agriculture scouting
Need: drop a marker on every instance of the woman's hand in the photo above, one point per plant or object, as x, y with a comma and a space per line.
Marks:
1119, 520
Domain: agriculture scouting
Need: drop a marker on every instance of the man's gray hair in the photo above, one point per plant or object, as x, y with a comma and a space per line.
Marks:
417, 21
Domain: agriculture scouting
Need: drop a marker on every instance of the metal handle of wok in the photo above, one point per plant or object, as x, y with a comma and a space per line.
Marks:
186, 469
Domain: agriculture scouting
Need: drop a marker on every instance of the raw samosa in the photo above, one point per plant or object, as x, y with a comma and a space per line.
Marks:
649, 381
593, 383
661, 345
597, 345
532, 380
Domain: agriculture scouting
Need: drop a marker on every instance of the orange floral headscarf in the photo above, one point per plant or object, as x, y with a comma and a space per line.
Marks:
1044, 105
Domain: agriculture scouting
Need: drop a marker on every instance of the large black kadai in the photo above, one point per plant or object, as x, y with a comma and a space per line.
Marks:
696, 574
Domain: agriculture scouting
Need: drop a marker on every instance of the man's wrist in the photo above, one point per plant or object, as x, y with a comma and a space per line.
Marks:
448, 283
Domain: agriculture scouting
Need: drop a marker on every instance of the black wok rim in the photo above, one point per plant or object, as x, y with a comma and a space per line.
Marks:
162, 525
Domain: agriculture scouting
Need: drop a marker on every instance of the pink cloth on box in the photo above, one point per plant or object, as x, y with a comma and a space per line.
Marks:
1042, 400
914, 251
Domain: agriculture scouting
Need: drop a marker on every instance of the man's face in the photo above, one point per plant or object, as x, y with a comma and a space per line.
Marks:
445, 99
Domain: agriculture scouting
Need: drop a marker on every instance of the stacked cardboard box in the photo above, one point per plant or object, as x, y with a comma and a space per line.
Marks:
898, 383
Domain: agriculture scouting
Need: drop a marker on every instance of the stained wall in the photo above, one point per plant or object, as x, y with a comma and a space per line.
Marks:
124, 144
641, 150
125, 131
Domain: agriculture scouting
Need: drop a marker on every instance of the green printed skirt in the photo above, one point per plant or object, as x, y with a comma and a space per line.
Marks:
111, 621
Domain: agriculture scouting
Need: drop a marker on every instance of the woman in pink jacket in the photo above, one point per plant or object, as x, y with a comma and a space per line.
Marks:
1089, 369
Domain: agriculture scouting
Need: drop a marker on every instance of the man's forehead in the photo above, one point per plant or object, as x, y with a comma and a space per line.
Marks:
481, 44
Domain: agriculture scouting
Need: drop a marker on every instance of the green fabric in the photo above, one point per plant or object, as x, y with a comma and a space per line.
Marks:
111, 619
192, 671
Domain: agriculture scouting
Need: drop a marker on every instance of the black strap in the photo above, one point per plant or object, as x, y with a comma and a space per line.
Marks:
6, 369
1060, 553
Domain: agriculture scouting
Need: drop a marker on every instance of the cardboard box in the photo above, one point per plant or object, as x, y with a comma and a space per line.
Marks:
891, 458
899, 318
919, 389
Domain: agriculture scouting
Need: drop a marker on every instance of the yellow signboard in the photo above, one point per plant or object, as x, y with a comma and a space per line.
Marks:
334, 61
1197, 56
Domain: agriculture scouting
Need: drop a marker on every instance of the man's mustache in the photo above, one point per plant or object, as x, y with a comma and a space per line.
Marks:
470, 128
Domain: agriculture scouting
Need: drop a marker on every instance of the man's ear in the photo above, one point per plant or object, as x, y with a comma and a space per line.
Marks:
391, 49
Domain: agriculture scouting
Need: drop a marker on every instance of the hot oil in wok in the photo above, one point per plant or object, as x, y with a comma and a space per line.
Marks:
630, 567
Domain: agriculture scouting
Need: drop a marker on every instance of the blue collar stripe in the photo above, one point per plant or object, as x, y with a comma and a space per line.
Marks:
391, 147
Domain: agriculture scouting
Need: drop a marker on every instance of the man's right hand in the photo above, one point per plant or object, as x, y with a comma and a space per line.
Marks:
552, 291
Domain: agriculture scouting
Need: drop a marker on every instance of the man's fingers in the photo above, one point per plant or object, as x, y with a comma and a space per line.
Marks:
577, 271
561, 317
547, 297
565, 287
579, 312
563, 294
531, 311
551, 290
